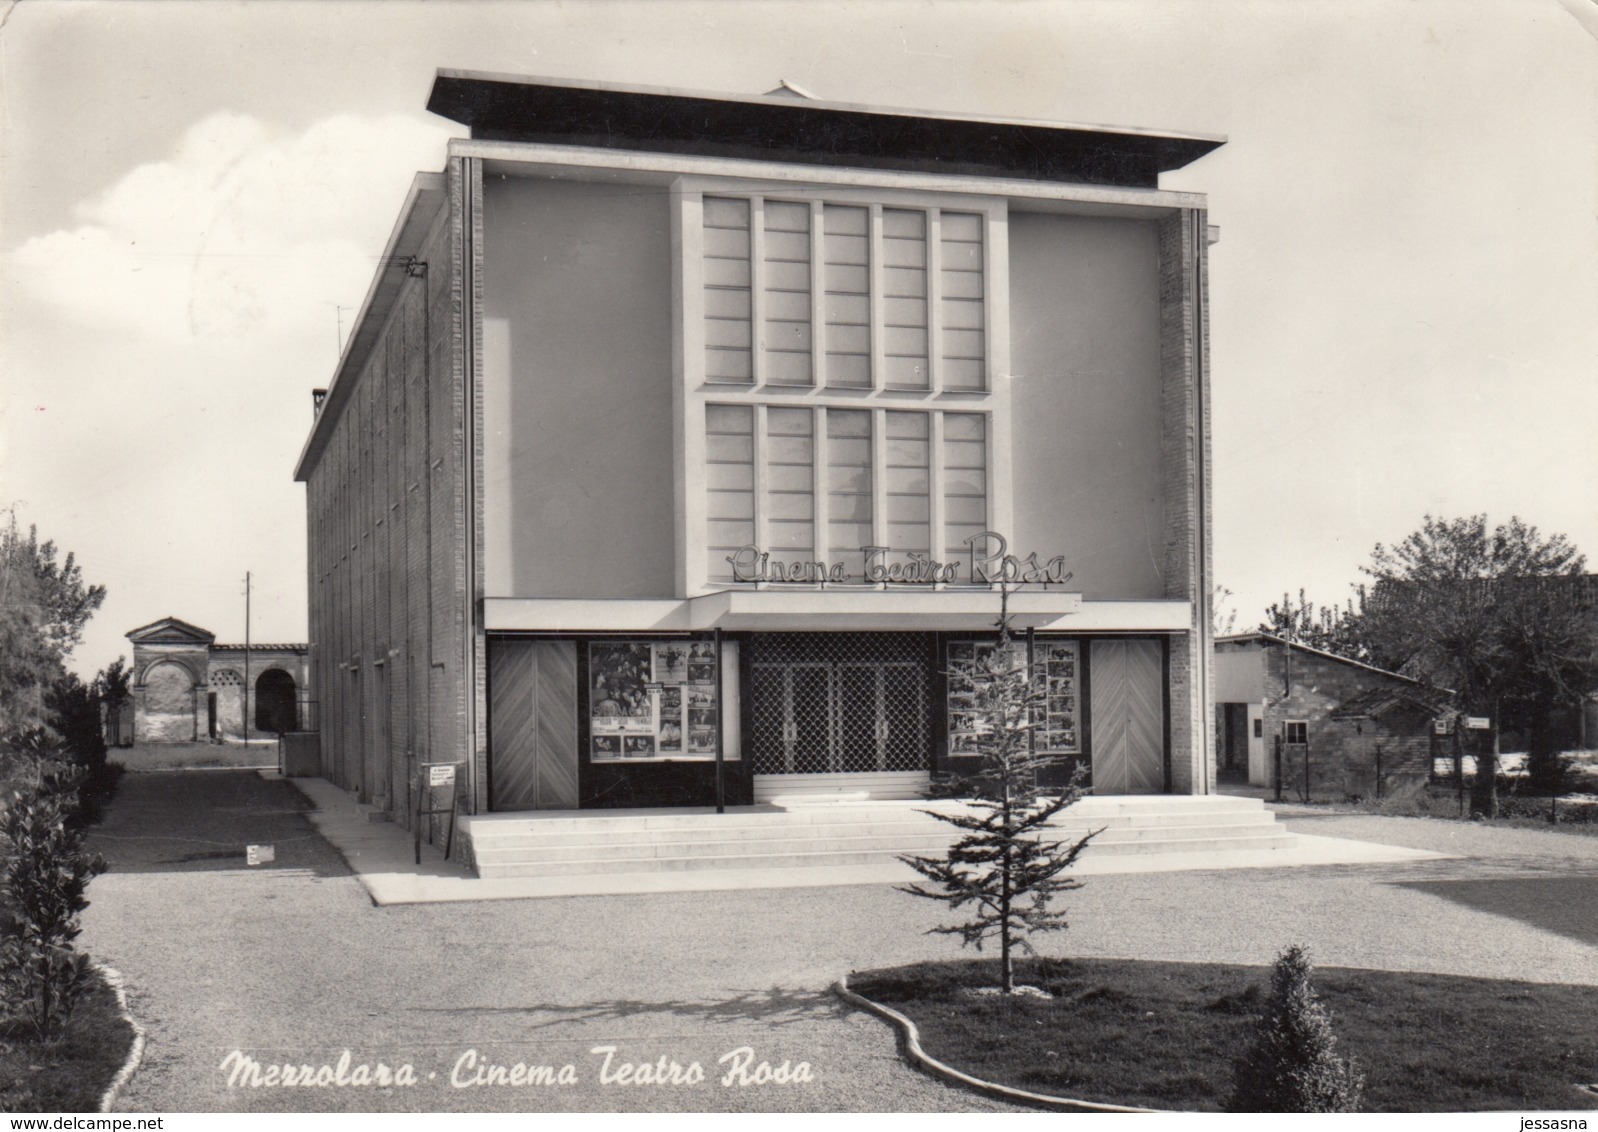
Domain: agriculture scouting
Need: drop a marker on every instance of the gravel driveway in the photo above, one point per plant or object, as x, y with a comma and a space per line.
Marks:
292, 963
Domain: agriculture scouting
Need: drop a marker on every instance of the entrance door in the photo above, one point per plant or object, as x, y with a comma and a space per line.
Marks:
809, 722
1127, 702
840, 704
532, 721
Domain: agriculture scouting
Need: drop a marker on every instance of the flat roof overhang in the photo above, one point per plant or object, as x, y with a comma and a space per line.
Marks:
893, 610
519, 108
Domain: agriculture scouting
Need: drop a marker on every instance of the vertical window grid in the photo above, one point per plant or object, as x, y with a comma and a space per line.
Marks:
849, 483
729, 485
787, 333
789, 460
964, 466
962, 302
728, 298
904, 299
846, 277
906, 472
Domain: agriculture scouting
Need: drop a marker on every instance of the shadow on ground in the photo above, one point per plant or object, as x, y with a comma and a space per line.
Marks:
203, 821
776, 1007
1567, 906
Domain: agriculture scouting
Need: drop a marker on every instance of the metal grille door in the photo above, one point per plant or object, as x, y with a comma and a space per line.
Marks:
839, 703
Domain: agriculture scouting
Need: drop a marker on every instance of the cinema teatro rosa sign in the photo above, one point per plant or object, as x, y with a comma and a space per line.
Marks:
988, 562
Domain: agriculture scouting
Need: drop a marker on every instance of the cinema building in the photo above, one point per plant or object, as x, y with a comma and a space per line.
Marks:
687, 444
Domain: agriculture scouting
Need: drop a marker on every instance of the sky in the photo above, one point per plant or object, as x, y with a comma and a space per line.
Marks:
1404, 299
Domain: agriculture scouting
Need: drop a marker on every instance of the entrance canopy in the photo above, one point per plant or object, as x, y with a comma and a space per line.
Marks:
769, 610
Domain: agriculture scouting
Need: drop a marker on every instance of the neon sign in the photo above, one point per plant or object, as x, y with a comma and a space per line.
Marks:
988, 562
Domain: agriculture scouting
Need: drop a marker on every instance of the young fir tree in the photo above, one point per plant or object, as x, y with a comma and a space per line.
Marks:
1007, 867
1293, 1065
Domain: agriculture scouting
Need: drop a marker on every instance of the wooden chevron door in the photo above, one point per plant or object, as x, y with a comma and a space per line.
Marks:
1127, 702
532, 725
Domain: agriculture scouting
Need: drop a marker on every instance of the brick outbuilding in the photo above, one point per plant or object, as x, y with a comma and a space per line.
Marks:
1344, 727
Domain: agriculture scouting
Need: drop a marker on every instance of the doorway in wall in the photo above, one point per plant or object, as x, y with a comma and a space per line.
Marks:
840, 706
1127, 698
1231, 754
532, 724
274, 702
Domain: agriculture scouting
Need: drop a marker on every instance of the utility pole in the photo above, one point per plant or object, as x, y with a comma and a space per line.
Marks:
246, 658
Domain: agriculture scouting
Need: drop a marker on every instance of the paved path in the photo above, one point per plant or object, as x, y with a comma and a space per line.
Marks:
293, 961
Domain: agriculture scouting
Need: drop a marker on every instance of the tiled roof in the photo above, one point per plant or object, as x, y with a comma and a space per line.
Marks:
1373, 703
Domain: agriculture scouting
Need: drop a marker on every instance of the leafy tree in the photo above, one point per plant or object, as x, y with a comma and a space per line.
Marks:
1325, 627
1006, 867
44, 605
1498, 615
1293, 1065
1223, 615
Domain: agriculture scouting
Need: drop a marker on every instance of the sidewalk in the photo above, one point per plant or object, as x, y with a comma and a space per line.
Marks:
382, 855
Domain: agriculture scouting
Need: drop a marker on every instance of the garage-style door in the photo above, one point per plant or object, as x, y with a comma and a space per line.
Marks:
1128, 716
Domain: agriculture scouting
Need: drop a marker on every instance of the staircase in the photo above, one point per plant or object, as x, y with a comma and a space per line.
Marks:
825, 833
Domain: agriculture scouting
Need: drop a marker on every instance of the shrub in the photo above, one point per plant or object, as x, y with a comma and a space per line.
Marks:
1293, 1065
41, 895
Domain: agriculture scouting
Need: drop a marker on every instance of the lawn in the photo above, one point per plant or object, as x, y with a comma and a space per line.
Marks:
1164, 1035
70, 1073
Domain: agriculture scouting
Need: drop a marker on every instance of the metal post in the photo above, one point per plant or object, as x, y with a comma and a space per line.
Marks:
1306, 766
1031, 676
1276, 761
246, 659
721, 742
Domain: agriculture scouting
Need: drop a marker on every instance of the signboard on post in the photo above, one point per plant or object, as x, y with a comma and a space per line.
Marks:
435, 776
1477, 723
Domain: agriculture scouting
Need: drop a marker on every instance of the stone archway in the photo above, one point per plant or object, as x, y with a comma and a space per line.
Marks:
168, 703
274, 702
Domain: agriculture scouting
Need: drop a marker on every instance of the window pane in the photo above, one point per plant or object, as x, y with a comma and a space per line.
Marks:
847, 277
728, 333
965, 508
730, 498
905, 470
849, 484
787, 337
964, 343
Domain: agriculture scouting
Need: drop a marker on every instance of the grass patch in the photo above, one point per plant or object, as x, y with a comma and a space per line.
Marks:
1163, 1035
70, 1073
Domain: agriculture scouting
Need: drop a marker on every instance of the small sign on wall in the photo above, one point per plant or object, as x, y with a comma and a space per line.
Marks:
1477, 723
440, 776
260, 854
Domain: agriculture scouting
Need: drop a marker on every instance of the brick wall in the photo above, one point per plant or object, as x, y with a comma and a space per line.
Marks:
1187, 556
1342, 753
385, 528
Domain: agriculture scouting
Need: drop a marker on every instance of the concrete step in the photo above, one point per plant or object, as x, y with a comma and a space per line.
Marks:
930, 841
832, 857
530, 839
582, 843
930, 837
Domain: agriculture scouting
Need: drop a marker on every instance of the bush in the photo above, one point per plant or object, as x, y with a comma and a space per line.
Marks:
1293, 1065
41, 895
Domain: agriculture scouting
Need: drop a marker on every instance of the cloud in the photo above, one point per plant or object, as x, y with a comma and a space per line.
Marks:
160, 351
243, 232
